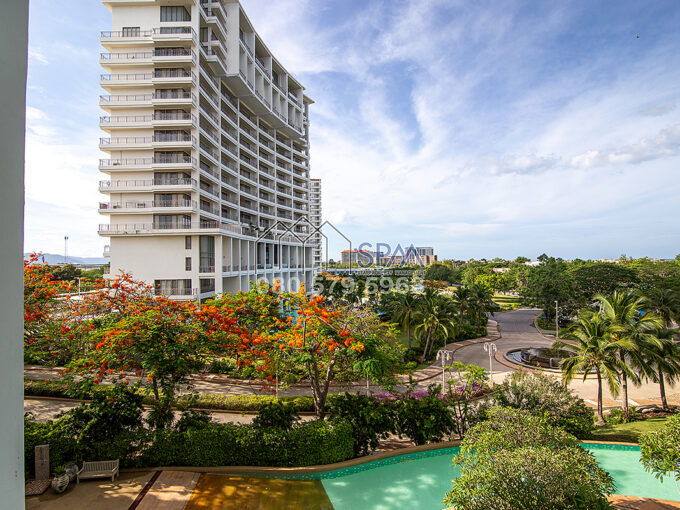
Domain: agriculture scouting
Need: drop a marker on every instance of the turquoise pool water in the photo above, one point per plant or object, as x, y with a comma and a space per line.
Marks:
420, 480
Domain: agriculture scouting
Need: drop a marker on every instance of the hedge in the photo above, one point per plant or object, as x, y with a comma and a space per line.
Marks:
305, 444
203, 401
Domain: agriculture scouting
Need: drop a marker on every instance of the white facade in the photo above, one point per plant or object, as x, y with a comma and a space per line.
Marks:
315, 218
207, 151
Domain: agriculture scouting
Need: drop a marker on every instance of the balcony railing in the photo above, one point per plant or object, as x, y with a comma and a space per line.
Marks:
144, 183
141, 140
145, 204
133, 228
135, 32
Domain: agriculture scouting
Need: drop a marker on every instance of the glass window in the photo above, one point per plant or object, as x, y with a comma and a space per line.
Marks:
187, 263
187, 242
131, 32
174, 13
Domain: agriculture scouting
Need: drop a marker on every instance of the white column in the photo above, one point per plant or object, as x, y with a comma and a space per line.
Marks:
14, 41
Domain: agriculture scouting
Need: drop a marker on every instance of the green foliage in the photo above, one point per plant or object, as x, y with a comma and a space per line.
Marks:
517, 461
618, 416
439, 272
544, 396
660, 451
471, 380
304, 444
423, 418
277, 415
109, 427
549, 282
371, 419
193, 419
250, 403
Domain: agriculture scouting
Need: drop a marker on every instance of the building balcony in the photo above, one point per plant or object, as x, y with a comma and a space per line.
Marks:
147, 207
147, 142
137, 37
159, 77
146, 58
110, 122
151, 185
171, 228
155, 163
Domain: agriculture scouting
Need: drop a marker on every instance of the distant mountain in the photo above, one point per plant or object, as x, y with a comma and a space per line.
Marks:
51, 258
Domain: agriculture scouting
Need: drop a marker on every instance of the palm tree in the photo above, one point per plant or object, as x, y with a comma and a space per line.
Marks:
593, 350
666, 303
481, 302
463, 295
661, 362
404, 310
623, 313
436, 318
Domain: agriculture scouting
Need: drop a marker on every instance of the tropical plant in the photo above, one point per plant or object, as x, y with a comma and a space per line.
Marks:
660, 362
593, 351
660, 450
631, 328
436, 319
665, 302
516, 461
404, 309
542, 395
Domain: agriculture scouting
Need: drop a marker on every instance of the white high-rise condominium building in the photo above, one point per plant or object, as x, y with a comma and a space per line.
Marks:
315, 218
208, 151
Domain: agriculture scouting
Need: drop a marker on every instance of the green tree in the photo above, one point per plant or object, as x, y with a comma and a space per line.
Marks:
630, 328
660, 450
436, 319
516, 461
664, 302
404, 309
549, 282
593, 350
440, 272
660, 362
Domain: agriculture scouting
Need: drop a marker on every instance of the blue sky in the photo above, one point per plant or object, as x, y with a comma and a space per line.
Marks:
490, 128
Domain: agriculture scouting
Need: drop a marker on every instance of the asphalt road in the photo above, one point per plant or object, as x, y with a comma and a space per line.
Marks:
517, 330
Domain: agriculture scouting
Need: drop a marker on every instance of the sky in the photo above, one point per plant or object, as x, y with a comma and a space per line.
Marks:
484, 129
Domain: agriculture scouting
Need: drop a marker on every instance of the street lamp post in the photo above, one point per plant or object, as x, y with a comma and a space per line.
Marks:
557, 321
491, 349
445, 355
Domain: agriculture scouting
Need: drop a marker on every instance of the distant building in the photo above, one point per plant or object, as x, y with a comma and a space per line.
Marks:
413, 256
358, 256
315, 218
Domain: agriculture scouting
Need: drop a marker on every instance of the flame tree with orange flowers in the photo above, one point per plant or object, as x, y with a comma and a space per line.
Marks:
43, 304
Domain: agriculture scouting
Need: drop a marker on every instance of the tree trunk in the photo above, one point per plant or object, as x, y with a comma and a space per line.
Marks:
662, 390
367, 389
624, 387
155, 389
600, 417
408, 333
427, 341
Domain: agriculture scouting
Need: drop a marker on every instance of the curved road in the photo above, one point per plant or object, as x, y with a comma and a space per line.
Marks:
517, 330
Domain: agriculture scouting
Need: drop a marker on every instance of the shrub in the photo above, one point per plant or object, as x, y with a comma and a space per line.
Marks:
618, 416
242, 445
660, 450
371, 419
276, 414
193, 419
62, 389
543, 396
423, 417
518, 461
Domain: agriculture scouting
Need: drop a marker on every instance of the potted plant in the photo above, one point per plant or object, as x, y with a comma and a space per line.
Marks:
61, 480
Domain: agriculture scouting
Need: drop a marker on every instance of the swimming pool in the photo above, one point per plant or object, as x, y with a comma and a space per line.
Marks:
420, 480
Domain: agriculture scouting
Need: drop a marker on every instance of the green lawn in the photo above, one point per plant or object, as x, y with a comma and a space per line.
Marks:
507, 302
628, 432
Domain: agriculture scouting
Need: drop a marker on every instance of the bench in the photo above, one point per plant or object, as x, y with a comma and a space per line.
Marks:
98, 469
